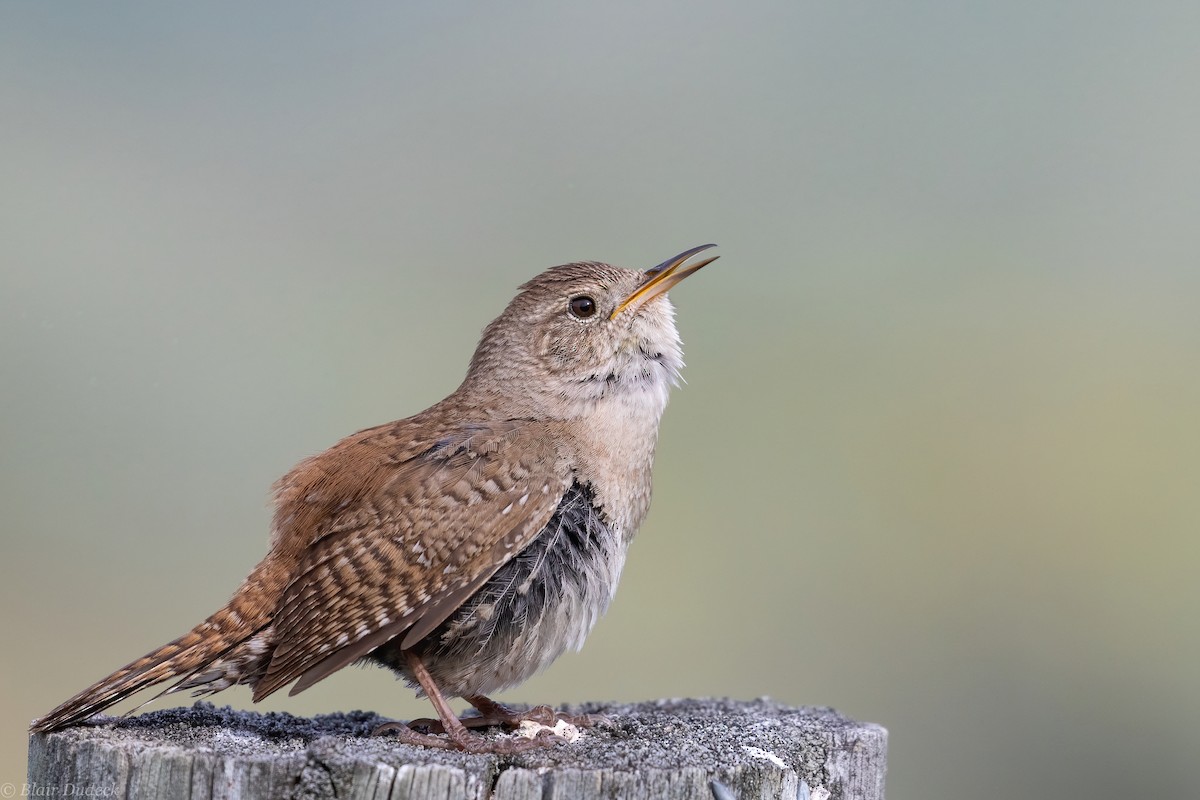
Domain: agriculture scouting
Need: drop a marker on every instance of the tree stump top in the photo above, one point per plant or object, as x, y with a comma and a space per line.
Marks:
667, 748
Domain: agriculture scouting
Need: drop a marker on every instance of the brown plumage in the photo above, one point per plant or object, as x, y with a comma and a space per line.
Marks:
465, 547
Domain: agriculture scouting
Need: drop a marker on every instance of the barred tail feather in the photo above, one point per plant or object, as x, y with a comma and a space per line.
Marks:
194, 654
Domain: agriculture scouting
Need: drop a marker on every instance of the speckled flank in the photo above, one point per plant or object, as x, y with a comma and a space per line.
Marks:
539, 604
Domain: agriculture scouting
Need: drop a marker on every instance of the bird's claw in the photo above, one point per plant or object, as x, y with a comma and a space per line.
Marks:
469, 742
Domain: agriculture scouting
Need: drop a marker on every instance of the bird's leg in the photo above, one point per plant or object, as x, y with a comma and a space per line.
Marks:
459, 738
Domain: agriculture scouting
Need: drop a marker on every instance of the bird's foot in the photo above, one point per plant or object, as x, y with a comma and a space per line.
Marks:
493, 713
459, 738
497, 715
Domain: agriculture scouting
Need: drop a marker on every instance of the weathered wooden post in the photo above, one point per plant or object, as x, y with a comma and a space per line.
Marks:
677, 749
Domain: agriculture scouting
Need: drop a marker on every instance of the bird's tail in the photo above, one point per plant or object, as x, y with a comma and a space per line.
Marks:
217, 642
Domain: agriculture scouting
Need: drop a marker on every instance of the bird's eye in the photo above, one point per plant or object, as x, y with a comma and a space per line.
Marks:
583, 306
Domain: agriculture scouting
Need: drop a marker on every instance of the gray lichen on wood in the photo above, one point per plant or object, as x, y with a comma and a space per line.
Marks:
694, 749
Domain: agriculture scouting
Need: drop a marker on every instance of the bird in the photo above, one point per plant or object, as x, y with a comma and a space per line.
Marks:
465, 547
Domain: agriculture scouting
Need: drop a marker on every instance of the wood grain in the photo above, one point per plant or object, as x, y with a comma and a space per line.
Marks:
675, 749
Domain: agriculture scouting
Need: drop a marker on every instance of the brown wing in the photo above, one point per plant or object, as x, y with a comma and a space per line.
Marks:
409, 538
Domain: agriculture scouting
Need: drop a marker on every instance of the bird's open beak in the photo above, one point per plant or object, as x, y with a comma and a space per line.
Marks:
660, 279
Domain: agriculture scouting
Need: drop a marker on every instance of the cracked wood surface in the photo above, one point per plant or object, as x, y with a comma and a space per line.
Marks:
676, 749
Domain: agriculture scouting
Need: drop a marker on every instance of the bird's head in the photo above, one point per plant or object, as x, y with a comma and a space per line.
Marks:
583, 333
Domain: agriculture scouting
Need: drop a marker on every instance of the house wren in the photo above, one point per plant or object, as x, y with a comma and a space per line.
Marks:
465, 547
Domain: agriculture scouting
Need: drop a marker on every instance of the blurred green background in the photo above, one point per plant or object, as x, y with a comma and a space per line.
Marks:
936, 460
